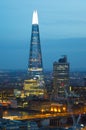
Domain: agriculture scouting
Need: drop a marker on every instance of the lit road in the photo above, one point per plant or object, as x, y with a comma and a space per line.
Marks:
43, 116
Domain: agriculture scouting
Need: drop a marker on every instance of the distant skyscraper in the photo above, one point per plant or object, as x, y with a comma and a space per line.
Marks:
35, 67
61, 77
35, 85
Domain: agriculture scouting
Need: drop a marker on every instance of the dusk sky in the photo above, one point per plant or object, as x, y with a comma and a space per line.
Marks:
62, 25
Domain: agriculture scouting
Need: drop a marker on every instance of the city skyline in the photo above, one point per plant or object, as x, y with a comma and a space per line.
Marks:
62, 32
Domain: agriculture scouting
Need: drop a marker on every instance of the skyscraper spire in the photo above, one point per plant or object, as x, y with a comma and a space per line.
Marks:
35, 17
35, 67
35, 85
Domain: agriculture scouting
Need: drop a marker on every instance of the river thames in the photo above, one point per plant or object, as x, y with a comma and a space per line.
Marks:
15, 114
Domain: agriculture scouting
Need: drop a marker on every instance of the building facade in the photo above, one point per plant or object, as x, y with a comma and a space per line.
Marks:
35, 84
61, 77
35, 67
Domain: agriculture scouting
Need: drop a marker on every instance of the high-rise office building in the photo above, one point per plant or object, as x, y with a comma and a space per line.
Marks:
61, 77
35, 67
35, 85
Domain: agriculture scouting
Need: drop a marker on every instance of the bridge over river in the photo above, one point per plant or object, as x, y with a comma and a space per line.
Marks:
40, 116
52, 119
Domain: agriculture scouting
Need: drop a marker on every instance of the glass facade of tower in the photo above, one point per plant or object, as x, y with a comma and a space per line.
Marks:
35, 59
61, 77
35, 85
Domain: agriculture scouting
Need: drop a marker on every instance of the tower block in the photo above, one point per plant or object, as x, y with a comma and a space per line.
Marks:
35, 85
35, 67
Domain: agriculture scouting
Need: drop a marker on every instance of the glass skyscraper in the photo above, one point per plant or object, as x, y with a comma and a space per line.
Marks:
61, 77
35, 85
35, 67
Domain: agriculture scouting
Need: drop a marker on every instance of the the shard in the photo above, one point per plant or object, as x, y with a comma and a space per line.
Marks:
35, 85
35, 67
